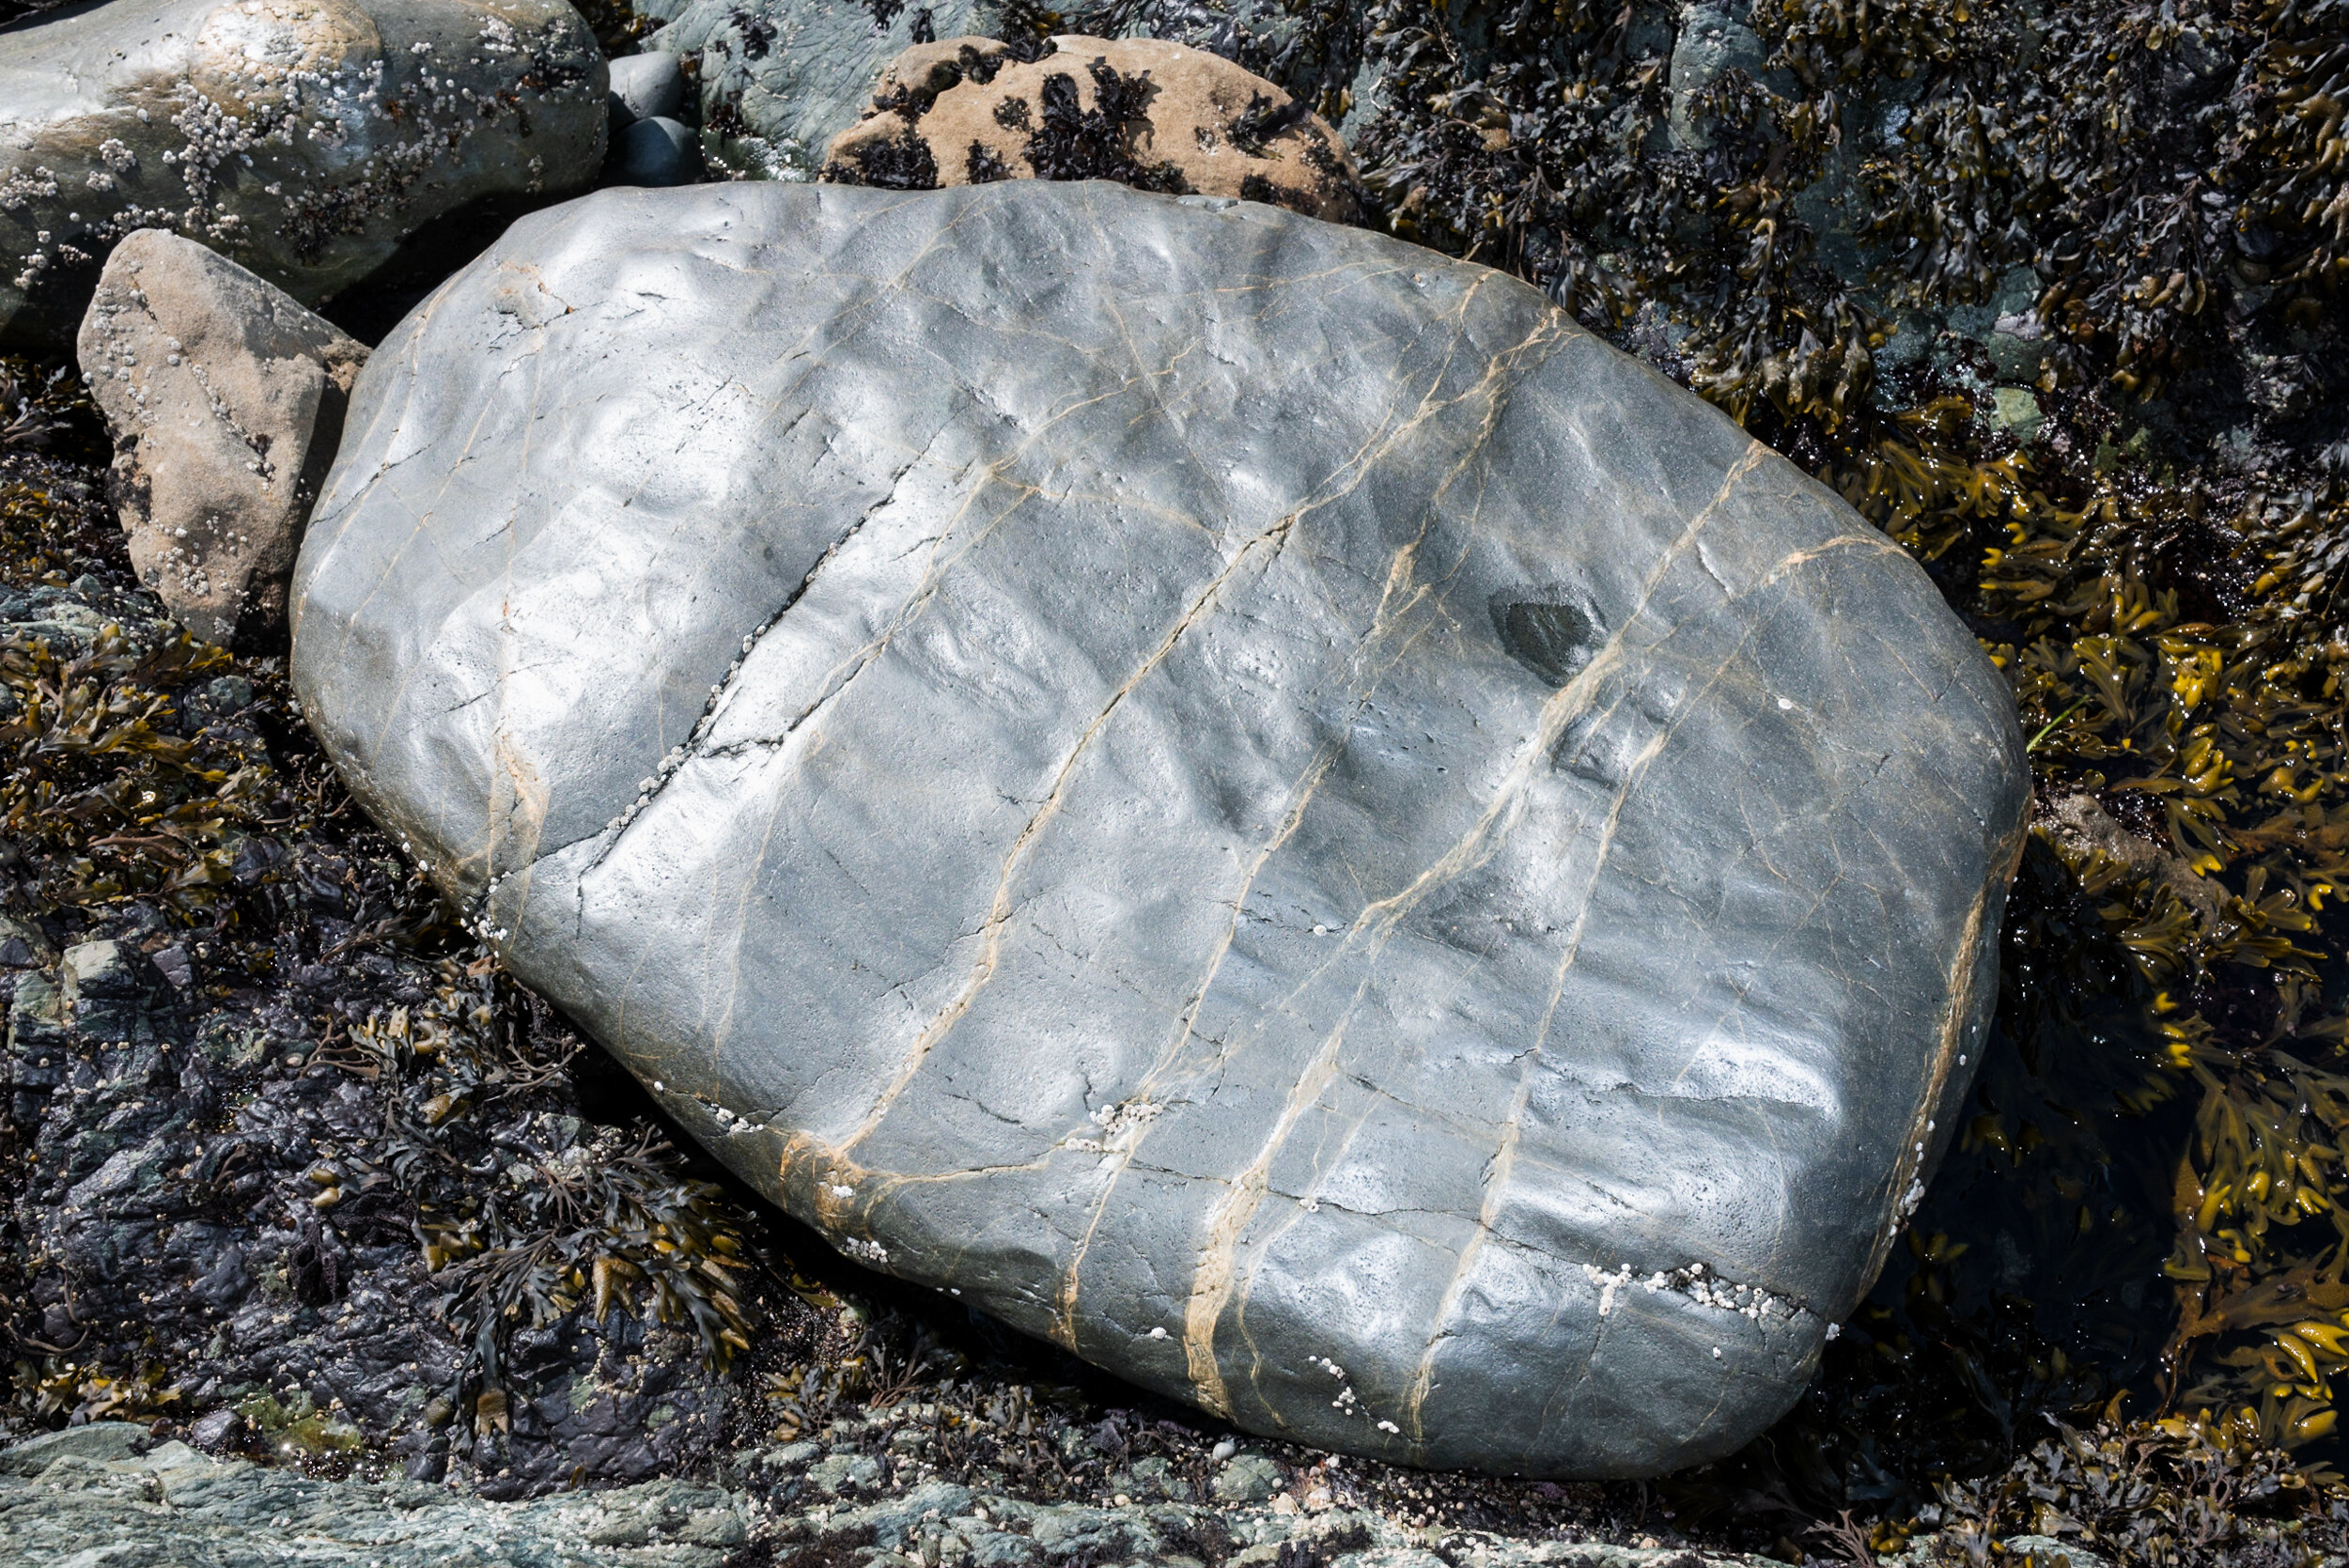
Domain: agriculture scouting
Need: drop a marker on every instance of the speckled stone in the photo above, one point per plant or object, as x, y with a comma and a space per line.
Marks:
225, 398
798, 73
304, 139
1244, 795
965, 111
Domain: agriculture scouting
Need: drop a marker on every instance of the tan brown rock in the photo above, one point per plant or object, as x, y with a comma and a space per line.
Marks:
1159, 117
225, 399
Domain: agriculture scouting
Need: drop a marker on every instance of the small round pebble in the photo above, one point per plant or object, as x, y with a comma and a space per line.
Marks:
657, 151
646, 87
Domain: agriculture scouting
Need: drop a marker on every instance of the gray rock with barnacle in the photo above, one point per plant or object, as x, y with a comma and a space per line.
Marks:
1243, 795
795, 73
225, 398
305, 140
792, 74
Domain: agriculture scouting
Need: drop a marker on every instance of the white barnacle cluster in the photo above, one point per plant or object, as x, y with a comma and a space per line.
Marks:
734, 1125
682, 752
195, 579
17, 188
477, 919
864, 1250
1347, 1402
1116, 1124
1695, 1283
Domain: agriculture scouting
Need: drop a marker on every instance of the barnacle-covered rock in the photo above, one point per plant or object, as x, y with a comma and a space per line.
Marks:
785, 76
305, 140
224, 398
779, 78
1249, 798
1159, 116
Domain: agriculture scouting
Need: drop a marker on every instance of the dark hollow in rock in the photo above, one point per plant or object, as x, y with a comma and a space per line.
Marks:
1008, 708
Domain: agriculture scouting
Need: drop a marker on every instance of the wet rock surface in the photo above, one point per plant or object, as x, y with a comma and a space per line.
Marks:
109, 1490
1158, 117
1348, 904
226, 400
305, 140
112, 1489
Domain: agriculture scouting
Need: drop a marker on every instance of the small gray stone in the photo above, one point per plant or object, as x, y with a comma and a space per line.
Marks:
24, 946
265, 130
647, 86
2017, 410
1151, 1477
110, 990
837, 1473
657, 151
225, 398
1246, 1477
1713, 38
217, 1430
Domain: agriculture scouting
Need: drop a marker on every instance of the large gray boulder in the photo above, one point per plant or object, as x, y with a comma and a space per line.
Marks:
303, 138
1243, 795
225, 398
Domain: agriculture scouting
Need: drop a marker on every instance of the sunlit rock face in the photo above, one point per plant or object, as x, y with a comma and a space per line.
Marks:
304, 139
1243, 795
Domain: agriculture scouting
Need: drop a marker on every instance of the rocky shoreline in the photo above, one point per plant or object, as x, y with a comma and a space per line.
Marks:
320, 1234
107, 1489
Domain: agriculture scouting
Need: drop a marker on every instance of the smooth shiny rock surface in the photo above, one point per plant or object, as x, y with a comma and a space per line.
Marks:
1242, 793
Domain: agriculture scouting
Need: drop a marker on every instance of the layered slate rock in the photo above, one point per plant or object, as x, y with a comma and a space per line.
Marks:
225, 398
1158, 117
1243, 795
305, 140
